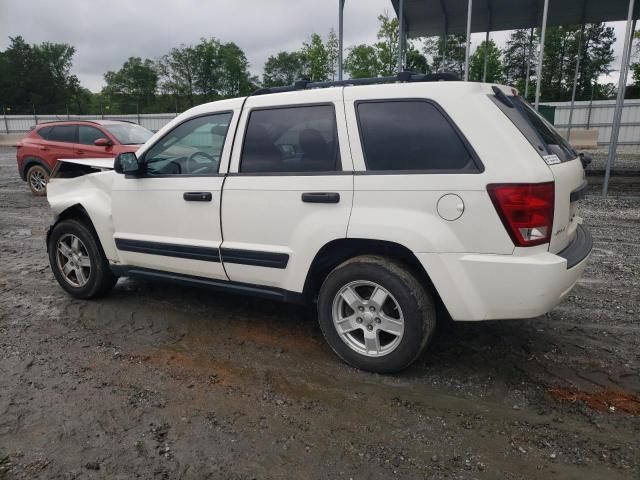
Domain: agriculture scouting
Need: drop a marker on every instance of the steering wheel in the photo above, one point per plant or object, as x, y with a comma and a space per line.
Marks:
194, 166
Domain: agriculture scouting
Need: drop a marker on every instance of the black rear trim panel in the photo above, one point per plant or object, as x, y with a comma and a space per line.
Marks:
579, 249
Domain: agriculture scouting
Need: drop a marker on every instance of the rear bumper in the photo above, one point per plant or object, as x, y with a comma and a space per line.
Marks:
495, 287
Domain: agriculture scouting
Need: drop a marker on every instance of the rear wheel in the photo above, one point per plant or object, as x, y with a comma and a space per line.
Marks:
375, 314
77, 260
37, 178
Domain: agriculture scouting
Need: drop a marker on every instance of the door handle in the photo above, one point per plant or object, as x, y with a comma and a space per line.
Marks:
321, 197
197, 196
44, 148
80, 152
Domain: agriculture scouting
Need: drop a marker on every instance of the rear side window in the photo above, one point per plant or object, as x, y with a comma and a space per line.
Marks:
63, 133
411, 135
88, 135
537, 130
44, 132
291, 140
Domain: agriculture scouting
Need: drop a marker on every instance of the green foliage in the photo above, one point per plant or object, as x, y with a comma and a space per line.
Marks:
387, 46
37, 75
333, 48
520, 54
494, 63
317, 59
361, 61
446, 53
137, 80
284, 68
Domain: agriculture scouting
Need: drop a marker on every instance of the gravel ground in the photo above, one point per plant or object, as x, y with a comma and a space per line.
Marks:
158, 381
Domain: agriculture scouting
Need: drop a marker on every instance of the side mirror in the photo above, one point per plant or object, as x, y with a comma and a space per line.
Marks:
127, 163
103, 142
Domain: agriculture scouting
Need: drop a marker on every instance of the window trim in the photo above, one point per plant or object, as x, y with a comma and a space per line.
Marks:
338, 171
472, 153
188, 175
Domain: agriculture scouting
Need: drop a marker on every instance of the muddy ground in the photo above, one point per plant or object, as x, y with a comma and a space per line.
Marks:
158, 381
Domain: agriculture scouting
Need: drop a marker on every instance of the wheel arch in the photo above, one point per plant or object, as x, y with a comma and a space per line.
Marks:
338, 251
29, 162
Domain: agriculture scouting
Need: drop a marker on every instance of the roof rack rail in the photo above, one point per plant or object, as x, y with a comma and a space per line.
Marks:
402, 77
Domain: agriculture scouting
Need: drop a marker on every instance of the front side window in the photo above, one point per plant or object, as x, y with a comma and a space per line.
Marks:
88, 135
192, 148
291, 140
63, 133
410, 135
129, 133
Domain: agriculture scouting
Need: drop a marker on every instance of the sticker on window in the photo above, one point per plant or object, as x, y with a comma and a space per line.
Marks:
551, 159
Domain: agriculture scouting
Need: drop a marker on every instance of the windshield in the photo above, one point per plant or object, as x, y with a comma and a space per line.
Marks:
129, 134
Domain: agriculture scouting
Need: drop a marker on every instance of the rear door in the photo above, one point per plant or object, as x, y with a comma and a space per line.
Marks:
86, 147
60, 142
290, 187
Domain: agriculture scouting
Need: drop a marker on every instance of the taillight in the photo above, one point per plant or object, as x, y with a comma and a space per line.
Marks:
526, 210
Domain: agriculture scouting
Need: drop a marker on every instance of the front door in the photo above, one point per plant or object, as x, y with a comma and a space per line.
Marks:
86, 147
290, 188
169, 219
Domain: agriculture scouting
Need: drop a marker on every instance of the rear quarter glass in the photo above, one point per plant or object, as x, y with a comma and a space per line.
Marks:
542, 136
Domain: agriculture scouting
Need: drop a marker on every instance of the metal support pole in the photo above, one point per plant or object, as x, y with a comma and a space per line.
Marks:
528, 73
444, 53
138, 112
340, 36
6, 123
35, 117
400, 33
541, 54
617, 114
467, 50
486, 57
575, 82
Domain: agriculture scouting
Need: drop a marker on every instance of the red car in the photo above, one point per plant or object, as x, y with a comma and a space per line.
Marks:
38, 152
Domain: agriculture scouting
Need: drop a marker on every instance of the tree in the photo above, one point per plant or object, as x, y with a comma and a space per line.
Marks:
520, 54
416, 61
36, 75
597, 56
387, 46
333, 48
447, 53
136, 81
208, 68
361, 61
178, 70
494, 63
317, 59
283, 69
234, 79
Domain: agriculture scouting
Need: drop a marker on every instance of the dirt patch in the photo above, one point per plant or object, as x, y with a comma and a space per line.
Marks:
602, 401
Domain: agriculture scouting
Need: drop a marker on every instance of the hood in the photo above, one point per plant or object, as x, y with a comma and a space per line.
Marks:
100, 163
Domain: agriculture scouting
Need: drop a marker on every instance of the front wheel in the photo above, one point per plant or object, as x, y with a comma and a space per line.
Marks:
77, 260
375, 314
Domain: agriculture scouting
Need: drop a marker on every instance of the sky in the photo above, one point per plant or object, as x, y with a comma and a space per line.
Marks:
106, 33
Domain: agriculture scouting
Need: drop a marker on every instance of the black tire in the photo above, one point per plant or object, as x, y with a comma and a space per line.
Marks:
100, 279
416, 304
37, 179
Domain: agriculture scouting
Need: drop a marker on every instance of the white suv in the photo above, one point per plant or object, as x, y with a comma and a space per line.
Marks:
380, 202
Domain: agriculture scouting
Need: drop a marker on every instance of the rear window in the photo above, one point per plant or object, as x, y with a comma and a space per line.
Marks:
63, 133
406, 135
537, 130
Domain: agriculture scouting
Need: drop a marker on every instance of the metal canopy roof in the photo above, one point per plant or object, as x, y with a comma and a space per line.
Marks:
427, 18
